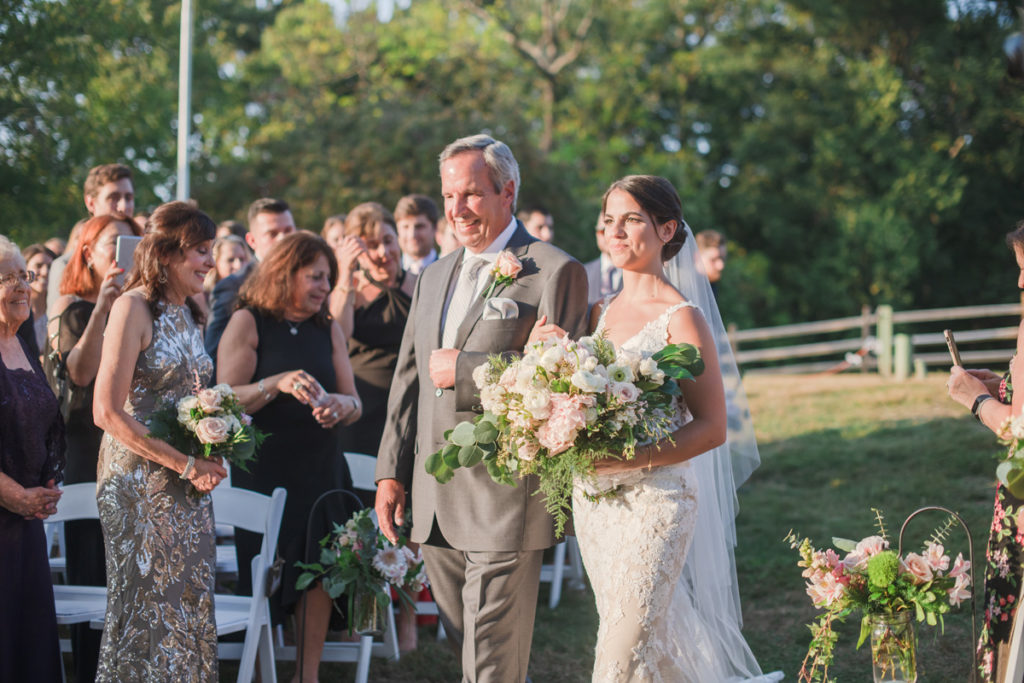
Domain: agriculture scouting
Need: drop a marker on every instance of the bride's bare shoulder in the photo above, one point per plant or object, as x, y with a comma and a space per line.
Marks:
688, 325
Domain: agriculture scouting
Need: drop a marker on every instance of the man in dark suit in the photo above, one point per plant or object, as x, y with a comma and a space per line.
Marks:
482, 541
269, 221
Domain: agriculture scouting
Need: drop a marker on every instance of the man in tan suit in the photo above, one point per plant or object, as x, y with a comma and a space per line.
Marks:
482, 541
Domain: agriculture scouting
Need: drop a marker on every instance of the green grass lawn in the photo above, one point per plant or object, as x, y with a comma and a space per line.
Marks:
831, 448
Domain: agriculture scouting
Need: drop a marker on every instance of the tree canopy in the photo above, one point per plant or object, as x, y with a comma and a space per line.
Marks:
853, 153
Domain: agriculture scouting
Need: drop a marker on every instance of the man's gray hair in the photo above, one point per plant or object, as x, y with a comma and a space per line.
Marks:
9, 250
498, 157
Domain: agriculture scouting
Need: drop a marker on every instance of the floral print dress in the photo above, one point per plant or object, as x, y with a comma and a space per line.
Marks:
1004, 567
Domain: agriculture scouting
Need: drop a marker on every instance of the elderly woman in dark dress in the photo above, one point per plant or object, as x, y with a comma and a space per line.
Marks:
286, 358
31, 463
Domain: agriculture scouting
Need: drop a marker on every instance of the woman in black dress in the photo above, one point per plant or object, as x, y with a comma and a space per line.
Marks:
371, 301
31, 462
286, 359
990, 397
88, 288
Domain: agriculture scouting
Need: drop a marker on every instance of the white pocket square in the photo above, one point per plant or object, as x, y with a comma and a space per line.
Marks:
499, 308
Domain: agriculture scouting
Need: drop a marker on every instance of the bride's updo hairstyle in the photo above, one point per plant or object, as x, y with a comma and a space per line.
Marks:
170, 230
659, 199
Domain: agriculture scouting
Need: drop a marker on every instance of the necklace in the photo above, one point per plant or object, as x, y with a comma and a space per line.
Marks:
293, 328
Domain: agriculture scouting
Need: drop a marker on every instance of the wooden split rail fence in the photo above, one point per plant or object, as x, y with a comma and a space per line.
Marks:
895, 343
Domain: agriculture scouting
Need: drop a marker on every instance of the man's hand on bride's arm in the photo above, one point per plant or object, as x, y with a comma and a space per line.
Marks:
390, 507
543, 330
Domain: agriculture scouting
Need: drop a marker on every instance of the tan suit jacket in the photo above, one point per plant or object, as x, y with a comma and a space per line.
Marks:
472, 512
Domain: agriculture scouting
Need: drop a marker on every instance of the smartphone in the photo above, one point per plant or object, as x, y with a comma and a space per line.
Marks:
124, 254
954, 353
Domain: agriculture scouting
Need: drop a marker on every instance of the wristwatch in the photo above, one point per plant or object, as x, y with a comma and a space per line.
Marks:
976, 408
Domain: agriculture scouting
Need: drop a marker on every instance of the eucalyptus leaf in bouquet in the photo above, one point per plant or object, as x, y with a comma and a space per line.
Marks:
560, 407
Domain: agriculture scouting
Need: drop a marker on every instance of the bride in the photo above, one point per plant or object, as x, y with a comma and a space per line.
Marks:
659, 552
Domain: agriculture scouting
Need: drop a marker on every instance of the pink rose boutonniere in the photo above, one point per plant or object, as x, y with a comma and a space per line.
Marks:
505, 270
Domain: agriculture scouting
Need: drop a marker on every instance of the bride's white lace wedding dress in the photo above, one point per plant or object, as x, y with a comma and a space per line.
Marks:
634, 545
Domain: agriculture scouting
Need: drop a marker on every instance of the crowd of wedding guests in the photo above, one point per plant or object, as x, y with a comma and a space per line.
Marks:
305, 327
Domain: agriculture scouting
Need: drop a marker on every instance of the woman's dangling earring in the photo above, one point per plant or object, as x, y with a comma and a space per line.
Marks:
162, 278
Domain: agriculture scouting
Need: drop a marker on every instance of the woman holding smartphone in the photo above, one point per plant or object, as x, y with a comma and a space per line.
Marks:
991, 399
90, 285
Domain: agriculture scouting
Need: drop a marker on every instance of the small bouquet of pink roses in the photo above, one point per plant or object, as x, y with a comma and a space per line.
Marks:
560, 407
209, 423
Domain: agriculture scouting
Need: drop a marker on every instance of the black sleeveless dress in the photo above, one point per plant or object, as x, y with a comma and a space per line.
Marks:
299, 455
31, 453
373, 351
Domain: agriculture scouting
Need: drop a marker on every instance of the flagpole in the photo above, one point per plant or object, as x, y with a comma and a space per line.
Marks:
184, 99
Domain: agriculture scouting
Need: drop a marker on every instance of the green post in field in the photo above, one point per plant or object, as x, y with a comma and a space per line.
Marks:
902, 357
883, 327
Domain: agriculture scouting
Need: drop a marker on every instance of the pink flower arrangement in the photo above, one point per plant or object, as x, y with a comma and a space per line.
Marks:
210, 423
560, 407
873, 579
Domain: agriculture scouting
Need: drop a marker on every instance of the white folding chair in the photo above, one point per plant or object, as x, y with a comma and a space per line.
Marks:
555, 574
75, 604
261, 514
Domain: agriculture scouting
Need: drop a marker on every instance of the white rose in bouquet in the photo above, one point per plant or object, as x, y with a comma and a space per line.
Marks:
212, 430
224, 390
589, 363
551, 358
185, 407
538, 403
648, 366
233, 423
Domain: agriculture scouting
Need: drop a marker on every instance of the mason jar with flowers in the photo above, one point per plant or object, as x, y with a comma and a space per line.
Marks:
890, 592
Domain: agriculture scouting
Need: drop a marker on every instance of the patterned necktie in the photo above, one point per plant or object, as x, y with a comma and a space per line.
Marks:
462, 298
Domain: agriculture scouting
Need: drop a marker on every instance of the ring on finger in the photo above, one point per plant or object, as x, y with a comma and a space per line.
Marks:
296, 385
335, 414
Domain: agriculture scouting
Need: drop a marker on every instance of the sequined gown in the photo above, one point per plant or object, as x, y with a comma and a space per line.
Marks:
159, 531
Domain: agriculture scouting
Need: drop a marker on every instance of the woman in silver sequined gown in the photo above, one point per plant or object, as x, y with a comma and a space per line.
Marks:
158, 527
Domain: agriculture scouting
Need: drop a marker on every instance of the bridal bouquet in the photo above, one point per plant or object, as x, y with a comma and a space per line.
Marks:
1011, 470
358, 561
208, 423
876, 581
560, 407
